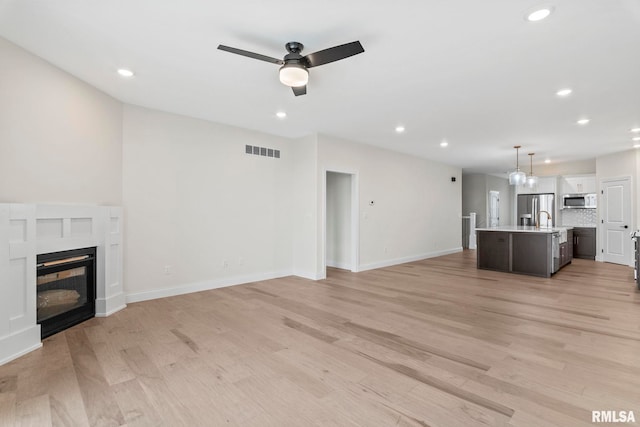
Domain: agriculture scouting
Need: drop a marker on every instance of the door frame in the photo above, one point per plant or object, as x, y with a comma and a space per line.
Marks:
355, 220
600, 225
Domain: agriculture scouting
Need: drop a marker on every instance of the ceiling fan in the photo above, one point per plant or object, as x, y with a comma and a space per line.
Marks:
294, 71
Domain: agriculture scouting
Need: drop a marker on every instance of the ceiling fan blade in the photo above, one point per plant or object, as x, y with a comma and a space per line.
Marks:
332, 54
251, 54
300, 90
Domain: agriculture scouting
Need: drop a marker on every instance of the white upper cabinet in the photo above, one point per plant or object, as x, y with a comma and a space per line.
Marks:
546, 184
577, 184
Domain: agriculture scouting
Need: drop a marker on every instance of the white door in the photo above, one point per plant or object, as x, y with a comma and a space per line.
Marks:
616, 221
494, 208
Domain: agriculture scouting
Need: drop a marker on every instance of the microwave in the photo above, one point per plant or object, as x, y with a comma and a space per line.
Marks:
579, 201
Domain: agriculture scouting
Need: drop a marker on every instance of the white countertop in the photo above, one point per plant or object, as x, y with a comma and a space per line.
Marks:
581, 226
526, 229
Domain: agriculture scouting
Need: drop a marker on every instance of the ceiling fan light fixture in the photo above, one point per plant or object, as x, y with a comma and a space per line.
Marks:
294, 75
293, 67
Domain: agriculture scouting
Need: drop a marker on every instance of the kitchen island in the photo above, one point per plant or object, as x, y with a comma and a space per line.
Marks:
524, 249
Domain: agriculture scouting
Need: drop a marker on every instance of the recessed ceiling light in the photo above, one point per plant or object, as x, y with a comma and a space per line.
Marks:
281, 114
399, 129
539, 15
444, 144
125, 73
583, 121
637, 138
635, 130
636, 145
547, 161
564, 92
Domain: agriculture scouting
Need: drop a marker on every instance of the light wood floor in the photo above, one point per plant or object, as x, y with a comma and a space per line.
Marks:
430, 343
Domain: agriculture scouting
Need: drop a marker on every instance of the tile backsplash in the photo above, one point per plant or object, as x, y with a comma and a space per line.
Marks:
579, 217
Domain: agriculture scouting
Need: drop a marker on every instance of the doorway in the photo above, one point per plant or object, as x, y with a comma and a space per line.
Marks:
494, 208
341, 221
616, 220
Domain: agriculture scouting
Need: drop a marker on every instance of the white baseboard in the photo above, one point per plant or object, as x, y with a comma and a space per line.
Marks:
339, 264
19, 343
107, 306
110, 312
310, 276
390, 262
202, 286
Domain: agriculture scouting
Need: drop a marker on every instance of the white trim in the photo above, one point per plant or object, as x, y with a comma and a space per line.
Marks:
107, 306
390, 262
109, 313
202, 286
355, 222
19, 343
336, 264
308, 275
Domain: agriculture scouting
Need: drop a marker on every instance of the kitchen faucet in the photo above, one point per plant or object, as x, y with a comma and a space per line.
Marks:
548, 218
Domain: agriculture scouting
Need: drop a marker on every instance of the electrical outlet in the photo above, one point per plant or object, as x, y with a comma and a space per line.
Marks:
168, 270
240, 261
386, 250
225, 264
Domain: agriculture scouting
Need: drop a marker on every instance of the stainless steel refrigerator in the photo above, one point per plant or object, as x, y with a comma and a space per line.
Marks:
530, 206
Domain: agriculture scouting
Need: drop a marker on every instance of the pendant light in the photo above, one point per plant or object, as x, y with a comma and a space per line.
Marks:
517, 177
532, 180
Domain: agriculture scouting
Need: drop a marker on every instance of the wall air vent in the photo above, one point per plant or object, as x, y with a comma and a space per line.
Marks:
262, 151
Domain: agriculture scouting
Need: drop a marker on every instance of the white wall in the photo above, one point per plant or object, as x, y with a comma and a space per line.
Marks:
305, 207
338, 211
417, 209
194, 201
60, 139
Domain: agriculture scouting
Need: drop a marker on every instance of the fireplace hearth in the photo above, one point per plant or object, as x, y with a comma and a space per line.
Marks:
66, 289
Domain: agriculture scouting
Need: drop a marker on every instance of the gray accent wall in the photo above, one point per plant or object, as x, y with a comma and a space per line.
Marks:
475, 197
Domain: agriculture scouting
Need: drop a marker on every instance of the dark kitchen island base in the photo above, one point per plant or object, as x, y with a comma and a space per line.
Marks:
522, 250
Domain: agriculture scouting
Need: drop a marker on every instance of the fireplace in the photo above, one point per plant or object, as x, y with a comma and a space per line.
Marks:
66, 289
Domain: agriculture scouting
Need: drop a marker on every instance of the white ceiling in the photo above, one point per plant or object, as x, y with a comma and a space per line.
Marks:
475, 73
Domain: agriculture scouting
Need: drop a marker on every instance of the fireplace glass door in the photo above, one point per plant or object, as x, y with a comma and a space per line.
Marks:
65, 289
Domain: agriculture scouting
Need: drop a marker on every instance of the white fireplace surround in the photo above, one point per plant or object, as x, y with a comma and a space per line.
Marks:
27, 230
